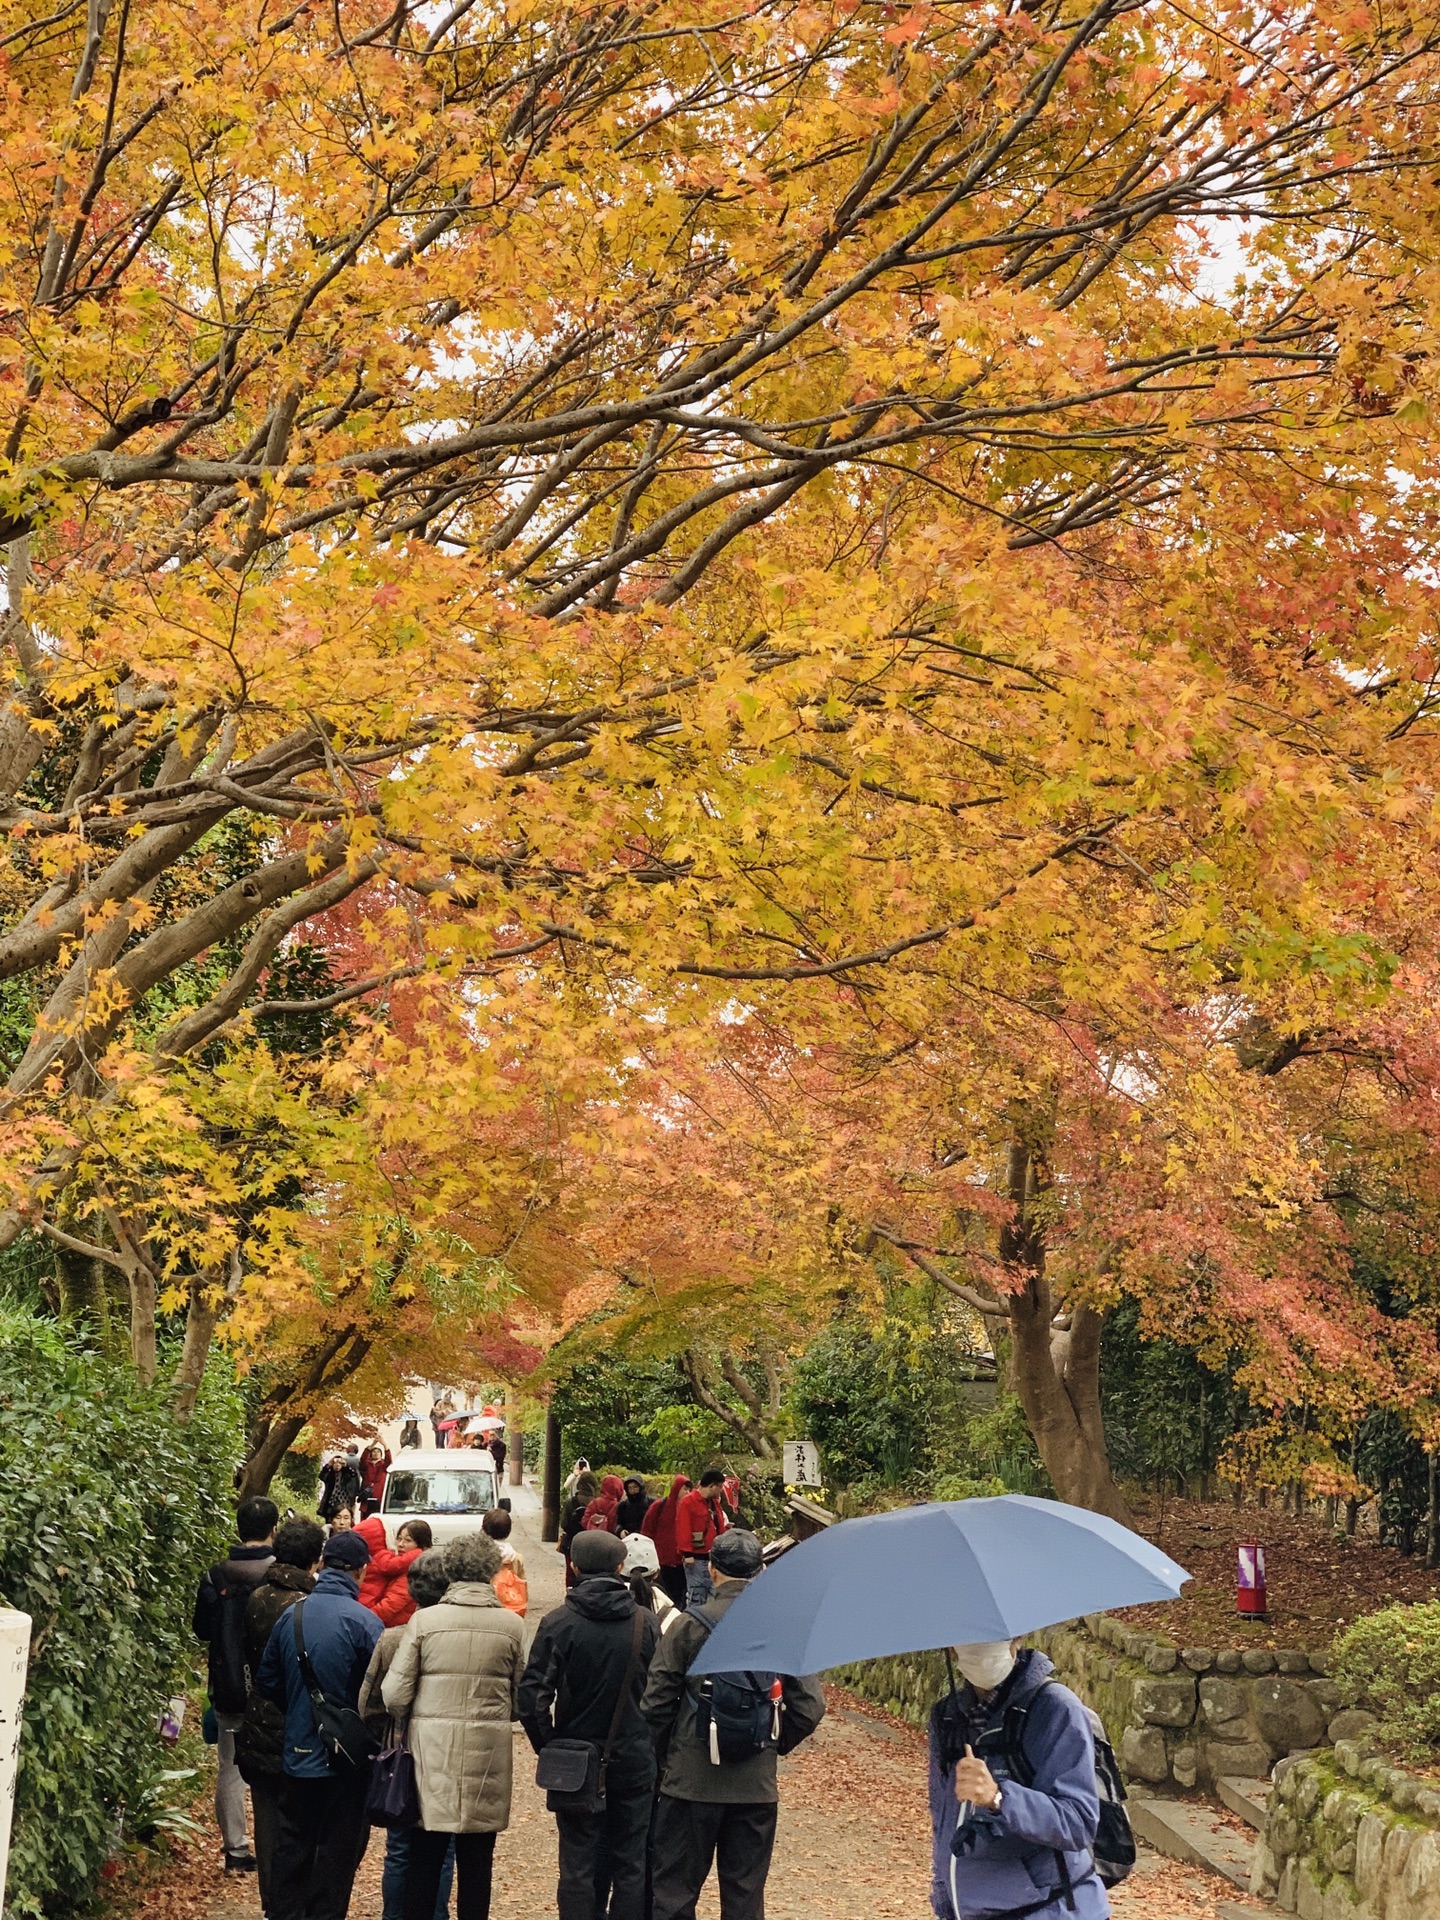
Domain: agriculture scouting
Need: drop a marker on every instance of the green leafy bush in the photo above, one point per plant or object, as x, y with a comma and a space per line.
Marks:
686, 1439
1389, 1662
110, 1514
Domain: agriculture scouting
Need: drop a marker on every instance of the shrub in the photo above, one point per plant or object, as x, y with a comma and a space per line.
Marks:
110, 1514
1390, 1663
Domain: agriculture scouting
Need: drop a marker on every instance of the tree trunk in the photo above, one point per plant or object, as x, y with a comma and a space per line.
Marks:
142, 1323
515, 1460
200, 1322
263, 1463
284, 1413
748, 1422
1432, 1512
1056, 1376
550, 1495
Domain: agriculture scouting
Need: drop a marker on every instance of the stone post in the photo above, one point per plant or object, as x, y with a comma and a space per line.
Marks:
14, 1659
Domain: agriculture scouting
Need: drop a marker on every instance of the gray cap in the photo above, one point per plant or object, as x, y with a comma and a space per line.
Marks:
737, 1555
594, 1552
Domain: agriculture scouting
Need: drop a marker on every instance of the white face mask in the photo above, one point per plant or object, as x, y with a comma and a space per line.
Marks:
986, 1664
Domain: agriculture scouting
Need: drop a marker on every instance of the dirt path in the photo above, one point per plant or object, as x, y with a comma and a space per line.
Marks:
854, 1837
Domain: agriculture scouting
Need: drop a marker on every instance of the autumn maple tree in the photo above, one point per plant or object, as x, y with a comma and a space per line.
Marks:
874, 509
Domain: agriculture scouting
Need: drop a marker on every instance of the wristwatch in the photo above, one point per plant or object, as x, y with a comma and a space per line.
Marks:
998, 1801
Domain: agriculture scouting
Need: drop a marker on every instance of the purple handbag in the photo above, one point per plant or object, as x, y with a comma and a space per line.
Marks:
394, 1798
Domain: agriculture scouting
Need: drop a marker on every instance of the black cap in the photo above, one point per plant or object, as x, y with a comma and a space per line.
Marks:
346, 1551
595, 1552
737, 1555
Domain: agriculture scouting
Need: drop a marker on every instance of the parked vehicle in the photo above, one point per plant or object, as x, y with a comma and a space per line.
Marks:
441, 1486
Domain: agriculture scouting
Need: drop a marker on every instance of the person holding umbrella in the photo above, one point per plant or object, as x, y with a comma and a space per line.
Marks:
1013, 1799
1027, 1806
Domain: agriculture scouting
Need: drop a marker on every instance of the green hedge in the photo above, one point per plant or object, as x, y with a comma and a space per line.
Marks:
109, 1513
1389, 1662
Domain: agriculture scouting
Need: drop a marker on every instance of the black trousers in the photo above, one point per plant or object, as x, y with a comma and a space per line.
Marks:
690, 1835
474, 1870
603, 1855
266, 1790
319, 1846
672, 1579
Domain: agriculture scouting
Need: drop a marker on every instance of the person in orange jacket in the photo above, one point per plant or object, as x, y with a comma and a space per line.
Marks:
699, 1521
383, 1588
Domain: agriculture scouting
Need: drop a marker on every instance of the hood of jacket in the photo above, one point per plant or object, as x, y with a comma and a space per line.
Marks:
612, 1487
372, 1531
336, 1580
471, 1593
601, 1598
293, 1579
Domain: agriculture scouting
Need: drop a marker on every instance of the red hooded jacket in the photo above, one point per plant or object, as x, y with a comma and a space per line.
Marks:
601, 1512
659, 1523
383, 1586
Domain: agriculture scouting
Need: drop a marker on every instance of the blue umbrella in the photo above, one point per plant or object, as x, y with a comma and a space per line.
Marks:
935, 1576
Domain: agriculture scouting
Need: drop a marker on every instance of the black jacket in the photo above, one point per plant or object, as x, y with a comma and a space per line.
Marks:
339, 1487
575, 1669
631, 1512
260, 1742
244, 1568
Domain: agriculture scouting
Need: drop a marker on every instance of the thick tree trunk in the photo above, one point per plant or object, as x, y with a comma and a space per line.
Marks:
284, 1413
1056, 1372
263, 1463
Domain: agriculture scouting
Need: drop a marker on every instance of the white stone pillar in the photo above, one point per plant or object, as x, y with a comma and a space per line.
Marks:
14, 1658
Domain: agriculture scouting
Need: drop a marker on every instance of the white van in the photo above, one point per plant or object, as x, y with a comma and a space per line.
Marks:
439, 1486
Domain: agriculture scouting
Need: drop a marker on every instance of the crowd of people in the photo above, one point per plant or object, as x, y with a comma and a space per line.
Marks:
327, 1648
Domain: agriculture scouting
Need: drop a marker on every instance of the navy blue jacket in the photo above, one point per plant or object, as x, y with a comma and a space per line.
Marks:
1007, 1859
340, 1636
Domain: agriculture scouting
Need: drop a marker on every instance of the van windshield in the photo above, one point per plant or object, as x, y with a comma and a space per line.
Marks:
439, 1490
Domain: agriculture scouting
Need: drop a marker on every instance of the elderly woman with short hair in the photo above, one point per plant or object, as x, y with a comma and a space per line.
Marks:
456, 1676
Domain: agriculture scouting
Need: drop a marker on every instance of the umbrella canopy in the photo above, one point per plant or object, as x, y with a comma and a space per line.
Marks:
935, 1576
486, 1423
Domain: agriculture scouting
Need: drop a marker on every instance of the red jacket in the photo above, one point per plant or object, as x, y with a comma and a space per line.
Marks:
697, 1523
600, 1514
659, 1523
373, 1472
383, 1586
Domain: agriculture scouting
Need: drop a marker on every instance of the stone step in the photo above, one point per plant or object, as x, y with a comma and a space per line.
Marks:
1248, 1798
1201, 1836
1243, 1910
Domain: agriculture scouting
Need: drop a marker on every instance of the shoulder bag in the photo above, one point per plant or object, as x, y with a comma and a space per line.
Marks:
343, 1734
572, 1772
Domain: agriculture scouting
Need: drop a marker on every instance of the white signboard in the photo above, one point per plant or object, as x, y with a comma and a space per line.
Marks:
14, 1658
802, 1464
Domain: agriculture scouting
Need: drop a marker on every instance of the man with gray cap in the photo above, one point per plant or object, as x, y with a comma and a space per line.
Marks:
322, 1827
719, 1739
584, 1681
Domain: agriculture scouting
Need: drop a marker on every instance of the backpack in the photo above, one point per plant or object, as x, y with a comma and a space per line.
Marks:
1113, 1848
229, 1671
737, 1715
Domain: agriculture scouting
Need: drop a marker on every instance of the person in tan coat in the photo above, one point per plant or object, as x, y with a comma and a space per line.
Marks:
456, 1676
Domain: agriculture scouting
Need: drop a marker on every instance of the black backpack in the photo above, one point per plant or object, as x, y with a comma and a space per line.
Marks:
229, 1671
1113, 1849
737, 1715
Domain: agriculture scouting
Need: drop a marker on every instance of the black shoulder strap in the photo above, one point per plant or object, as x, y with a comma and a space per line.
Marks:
637, 1640
307, 1672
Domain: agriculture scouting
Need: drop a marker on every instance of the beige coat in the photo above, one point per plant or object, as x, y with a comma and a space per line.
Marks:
457, 1676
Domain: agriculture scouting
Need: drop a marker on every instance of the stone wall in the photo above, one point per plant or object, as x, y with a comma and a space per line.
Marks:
1350, 1836
1177, 1716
